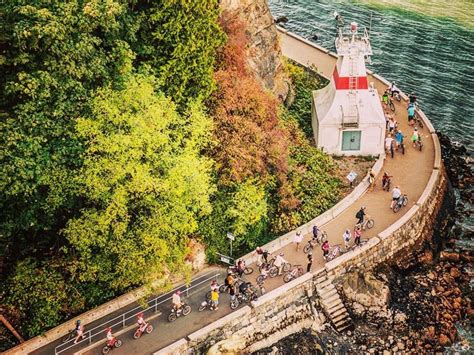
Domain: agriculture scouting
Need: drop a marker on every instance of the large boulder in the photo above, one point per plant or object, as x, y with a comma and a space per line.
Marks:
366, 290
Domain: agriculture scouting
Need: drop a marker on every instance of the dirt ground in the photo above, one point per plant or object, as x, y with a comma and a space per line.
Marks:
358, 164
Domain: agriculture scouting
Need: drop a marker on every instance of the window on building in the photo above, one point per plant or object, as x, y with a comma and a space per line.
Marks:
351, 140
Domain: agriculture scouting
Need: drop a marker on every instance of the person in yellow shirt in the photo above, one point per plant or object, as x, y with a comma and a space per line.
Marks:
215, 299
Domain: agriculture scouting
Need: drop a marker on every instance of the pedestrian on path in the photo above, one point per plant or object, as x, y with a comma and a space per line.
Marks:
310, 262
232, 292
325, 249
215, 299
357, 234
347, 238
392, 124
298, 239
315, 232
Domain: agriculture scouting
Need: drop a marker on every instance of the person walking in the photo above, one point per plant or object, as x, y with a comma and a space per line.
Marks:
325, 248
388, 143
298, 239
310, 262
411, 114
347, 238
357, 234
399, 138
232, 292
315, 232
392, 124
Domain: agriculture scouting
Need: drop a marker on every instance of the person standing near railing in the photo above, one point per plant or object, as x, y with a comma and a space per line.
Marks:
79, 331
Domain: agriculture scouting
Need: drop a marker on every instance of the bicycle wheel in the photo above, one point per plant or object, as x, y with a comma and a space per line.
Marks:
248, 270
149, 329
234, 304
186, 310
260, 278
391, 105
287, 277
222, 289
137, 334
307, 248
172, 317
403, 148
118, 343
286, 267
273, 271
370, 223
405, 201
208, 295
391, 151
202, 307
396, 208
105, 350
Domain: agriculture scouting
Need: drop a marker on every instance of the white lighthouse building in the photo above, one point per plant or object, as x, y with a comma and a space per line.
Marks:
347, 114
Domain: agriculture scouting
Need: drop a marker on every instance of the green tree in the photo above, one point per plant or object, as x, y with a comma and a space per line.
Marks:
144, 185
179, 40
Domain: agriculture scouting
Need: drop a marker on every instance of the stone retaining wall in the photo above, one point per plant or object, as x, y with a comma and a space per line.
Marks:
270, 314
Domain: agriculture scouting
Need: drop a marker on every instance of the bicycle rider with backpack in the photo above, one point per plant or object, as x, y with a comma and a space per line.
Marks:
360, 215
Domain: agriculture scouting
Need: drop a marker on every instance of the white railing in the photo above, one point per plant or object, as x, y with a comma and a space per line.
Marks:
128, 318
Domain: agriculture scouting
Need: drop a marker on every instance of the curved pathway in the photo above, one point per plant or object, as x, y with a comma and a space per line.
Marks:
410, 171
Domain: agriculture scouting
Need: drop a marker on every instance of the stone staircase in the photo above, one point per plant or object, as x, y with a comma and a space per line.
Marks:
332, 304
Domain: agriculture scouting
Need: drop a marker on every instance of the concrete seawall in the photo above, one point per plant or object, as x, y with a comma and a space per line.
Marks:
276, 312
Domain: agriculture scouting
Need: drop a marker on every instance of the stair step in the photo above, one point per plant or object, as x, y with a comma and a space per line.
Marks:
344, 327
326, 290
321, 279
343, 315
331, 299
337, 306
324, 285
327, 294
338, 312
341, 322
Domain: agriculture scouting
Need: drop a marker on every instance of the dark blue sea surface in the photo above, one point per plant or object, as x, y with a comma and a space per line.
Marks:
432, 56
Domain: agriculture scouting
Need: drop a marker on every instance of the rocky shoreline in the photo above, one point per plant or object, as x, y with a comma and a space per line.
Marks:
415, 306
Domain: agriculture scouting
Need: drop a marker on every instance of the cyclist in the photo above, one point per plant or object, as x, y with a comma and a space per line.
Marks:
396, 193
214, 285
79, 331
229, 280
414, 137
140, 321
411, 114
177, 300
385, 98
315, 232
388, 143
261, 256
360, 215
279, 262
347, 238
244, 289
110, 337
385, 179
240, 267
393, 89
399, 138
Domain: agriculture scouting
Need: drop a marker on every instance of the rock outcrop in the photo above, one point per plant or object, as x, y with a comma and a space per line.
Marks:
264, 53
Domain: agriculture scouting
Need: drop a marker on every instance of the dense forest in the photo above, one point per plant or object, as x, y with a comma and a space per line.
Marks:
128, 129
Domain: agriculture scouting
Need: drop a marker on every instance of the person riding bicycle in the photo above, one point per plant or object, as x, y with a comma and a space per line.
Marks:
109, 335
411, 114
176, 300
214, 285
325, 248
360, 215
79, 331
229, 280
279, 262
315, 232
399, 138
396, 193
392, 89
385, 98
415, 137
240, 267
261, 256
140, 320
388, 143
244, 289
385, 179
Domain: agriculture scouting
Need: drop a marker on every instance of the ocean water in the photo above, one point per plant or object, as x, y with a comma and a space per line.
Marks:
426, 47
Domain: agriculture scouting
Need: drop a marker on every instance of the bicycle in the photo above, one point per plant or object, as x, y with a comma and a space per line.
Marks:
417, 117
334, 252
391, 104
402, 202
367, 223
362, 241
419, 143
312, 242
297, 271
